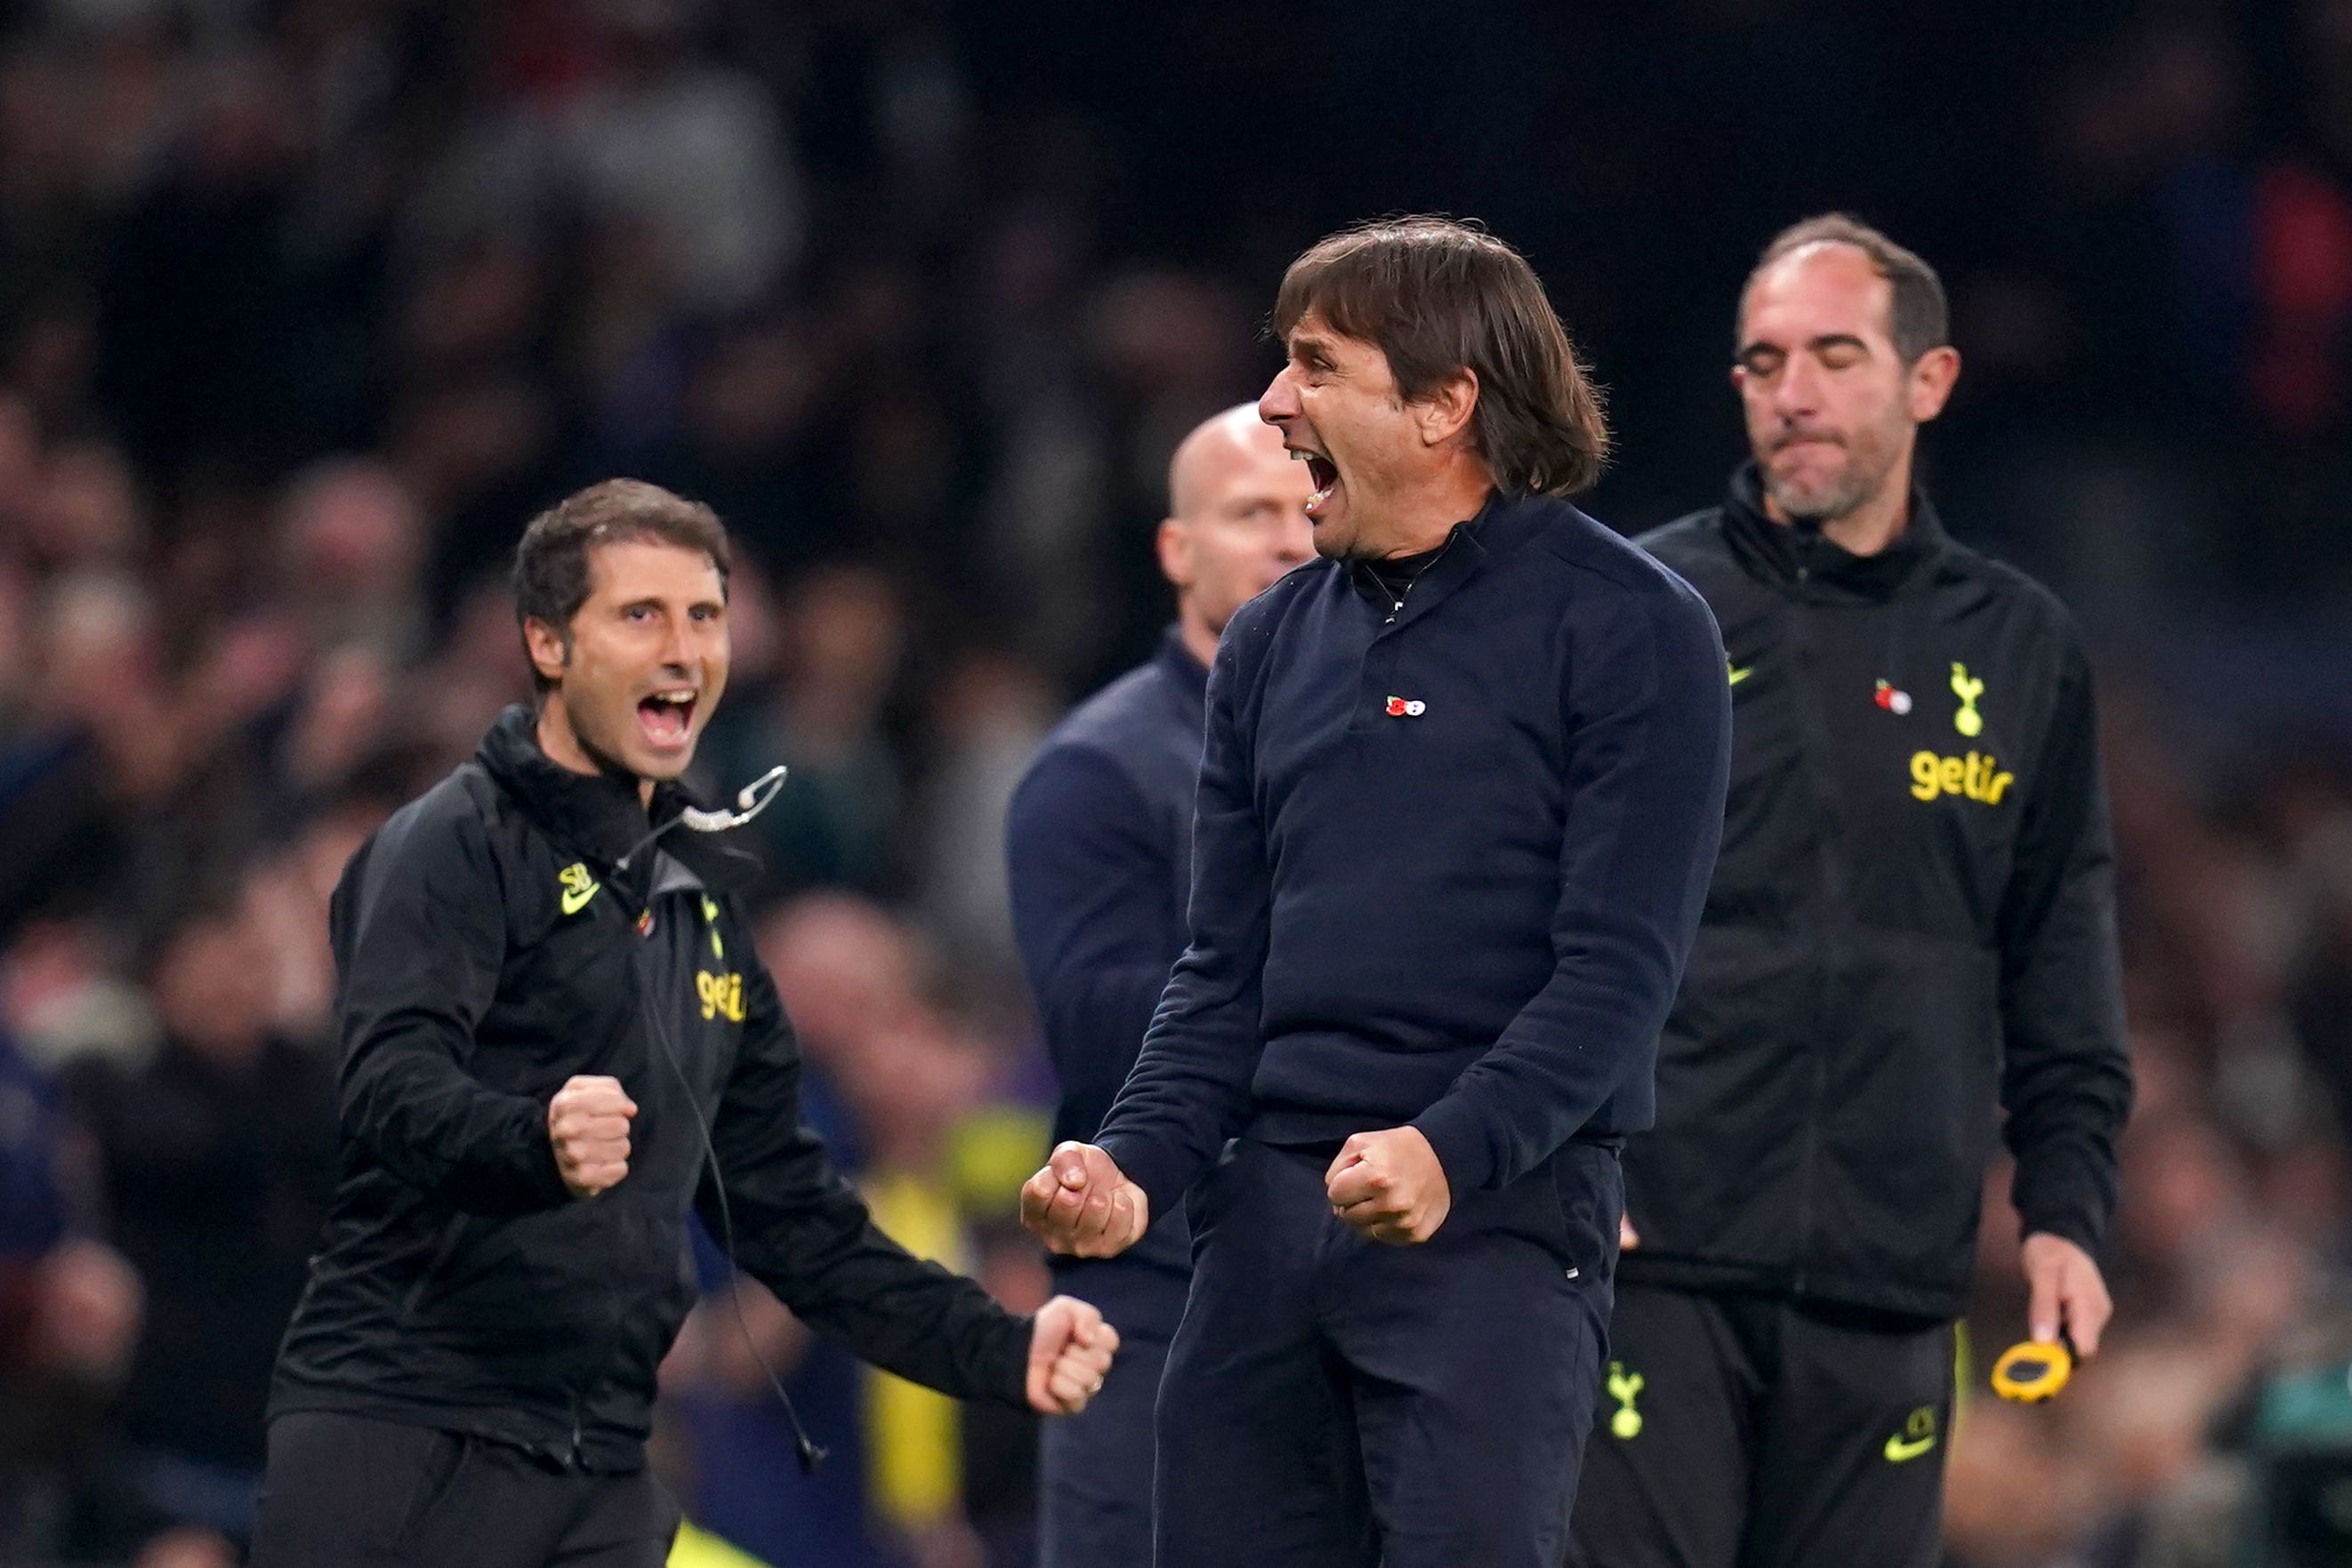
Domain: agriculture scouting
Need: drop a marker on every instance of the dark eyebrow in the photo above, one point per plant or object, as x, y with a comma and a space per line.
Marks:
1303, 343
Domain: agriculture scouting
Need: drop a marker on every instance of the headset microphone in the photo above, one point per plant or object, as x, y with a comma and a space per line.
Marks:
749, 801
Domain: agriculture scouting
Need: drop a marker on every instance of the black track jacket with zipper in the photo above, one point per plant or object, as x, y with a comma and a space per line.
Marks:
1911, 929
487, 949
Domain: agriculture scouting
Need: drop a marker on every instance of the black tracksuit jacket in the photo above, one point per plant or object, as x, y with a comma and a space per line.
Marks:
487, 949
1911, 929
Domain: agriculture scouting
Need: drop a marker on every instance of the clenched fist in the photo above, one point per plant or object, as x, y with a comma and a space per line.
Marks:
1390, 1185
588, 1123
1082, 1205
1070, 1350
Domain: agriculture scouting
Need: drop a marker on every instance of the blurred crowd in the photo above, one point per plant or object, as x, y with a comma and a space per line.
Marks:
307, 305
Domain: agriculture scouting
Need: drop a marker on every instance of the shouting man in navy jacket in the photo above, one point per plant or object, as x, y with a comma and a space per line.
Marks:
1459, 800
1099, 849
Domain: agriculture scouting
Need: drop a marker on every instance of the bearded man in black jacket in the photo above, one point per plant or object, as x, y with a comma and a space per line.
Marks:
1908, 949
558, 1042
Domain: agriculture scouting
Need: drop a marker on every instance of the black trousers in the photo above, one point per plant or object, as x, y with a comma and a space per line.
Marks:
1333, 1402
1740, 1432
345, 1490
1094, 1507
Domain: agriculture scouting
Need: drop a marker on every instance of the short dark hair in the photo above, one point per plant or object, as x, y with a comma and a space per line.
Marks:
1438, 296
1919, 319
551, 578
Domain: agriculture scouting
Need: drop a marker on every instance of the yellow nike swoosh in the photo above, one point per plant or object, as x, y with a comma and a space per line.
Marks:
1738, 675
1898, 1451
576, 900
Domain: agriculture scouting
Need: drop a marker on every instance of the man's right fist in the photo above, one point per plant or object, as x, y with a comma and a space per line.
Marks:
588, 1123
1082, 1205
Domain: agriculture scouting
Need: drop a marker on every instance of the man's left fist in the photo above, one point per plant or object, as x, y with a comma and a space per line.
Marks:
1390, 1185
1070, 1350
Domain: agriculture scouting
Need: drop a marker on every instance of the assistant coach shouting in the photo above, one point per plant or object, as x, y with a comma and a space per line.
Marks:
1460, 795
558, 1039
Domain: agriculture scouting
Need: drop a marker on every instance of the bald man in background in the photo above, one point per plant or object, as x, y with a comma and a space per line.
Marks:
1099, 843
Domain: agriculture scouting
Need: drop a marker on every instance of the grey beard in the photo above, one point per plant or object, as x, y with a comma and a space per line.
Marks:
1830, 505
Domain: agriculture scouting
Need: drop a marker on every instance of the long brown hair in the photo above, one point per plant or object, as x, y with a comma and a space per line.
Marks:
1439, 297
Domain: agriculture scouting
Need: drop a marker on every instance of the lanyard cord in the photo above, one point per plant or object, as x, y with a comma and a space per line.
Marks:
809, 1453
749, 801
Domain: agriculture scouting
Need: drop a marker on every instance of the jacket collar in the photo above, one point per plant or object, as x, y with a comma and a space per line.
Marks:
597, 816
1503, 524
1801, 561
1177, 665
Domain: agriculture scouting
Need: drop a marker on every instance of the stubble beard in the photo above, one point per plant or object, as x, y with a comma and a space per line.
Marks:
607, 756
1832, 500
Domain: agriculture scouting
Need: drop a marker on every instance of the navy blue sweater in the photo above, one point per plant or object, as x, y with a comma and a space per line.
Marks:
1447, 860
1099, 848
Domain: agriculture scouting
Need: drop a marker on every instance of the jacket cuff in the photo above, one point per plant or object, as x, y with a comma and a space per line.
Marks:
1159, 1171
1012, 1378
2066, 1224
1459, 1130
539, 1176
2061, 1198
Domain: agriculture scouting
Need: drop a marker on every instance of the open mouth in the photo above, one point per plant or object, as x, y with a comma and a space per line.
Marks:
1326, 474
668, 718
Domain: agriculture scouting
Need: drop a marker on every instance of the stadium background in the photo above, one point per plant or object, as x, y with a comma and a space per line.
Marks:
306, 306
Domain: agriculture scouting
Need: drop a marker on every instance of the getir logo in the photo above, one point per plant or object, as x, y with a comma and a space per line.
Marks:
1976, 776
722, 995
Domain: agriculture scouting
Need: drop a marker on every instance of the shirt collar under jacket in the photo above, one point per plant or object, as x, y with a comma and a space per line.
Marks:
1798, 558
1503, 523
597, 816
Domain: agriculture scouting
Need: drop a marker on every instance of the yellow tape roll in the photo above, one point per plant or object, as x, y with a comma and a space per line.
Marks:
2031, 1371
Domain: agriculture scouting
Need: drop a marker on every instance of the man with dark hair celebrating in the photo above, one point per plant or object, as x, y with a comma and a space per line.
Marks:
1912, 929
558, 1038
1458, 803
1099, 848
